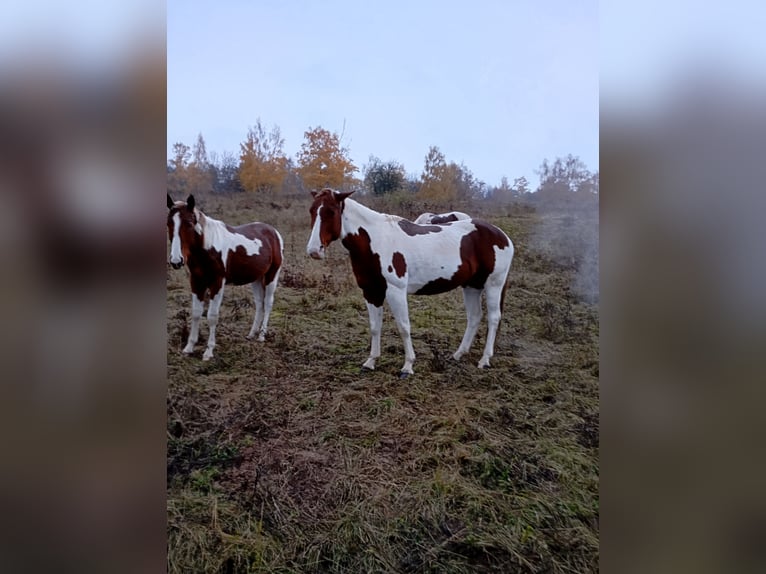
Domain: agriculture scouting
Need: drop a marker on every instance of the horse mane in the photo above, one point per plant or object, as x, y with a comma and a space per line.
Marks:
213, 230
369, 214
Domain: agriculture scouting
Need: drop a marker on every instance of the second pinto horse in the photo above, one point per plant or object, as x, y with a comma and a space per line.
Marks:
392, 257
216, 254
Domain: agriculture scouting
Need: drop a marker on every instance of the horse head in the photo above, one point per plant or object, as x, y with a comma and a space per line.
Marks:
326, 211
184, 229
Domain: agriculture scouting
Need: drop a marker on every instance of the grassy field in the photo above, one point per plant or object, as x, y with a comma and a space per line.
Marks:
284, 457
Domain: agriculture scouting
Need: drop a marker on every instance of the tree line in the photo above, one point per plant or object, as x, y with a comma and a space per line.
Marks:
262, 166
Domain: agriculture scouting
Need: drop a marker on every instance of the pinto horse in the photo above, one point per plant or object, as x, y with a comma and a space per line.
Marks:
437, 218
216, 254
392, 257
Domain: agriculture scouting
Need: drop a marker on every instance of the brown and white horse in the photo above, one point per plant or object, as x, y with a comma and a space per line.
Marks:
216, 254
429, 218
392, 257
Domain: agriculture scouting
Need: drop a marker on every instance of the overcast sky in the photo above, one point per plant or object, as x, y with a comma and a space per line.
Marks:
653, 47
498, 85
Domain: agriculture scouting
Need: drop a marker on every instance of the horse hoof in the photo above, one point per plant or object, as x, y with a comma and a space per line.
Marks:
403, 375
365, 369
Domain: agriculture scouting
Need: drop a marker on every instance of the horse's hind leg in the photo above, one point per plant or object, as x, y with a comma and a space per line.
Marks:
268, 303
494, 311
212, 322
198, 307
472, 300
258, 295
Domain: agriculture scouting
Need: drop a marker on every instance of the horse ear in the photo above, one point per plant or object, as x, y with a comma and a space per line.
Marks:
341, 196
190, 202
170, 202
314, 193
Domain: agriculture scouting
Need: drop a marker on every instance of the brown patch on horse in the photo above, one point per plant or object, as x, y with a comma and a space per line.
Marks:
249, 230
263, 264
477, 256
206, 271
441, 219
399, 264
414, 229
366, 267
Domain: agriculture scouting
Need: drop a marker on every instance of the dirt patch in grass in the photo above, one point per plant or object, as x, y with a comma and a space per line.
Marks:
284, 457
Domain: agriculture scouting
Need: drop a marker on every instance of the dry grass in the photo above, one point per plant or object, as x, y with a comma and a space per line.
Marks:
283, 457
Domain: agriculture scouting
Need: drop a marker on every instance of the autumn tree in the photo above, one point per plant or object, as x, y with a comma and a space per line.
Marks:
262, 160
435, 184
199, 176
444, 181
383, 177
177, 168
322, 162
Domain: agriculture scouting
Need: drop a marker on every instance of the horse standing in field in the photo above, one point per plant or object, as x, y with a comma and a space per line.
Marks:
216, 254
429, 218
392, 257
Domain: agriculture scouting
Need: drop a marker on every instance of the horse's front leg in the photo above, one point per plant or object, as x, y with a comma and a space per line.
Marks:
198, 306
212, 321
397, 301
376, 324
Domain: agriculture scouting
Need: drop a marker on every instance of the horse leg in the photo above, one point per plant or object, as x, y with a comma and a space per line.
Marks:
376, 323
212, 321
198, 306
472, 300
494, 298
258, 293
268, 304
397, 301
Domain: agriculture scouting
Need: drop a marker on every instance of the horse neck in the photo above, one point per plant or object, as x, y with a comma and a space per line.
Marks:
355, 215
214, 232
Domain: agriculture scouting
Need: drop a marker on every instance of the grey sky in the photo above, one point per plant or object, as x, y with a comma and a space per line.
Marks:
499, 85
651, 48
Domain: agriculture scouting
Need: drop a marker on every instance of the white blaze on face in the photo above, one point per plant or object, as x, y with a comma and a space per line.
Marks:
176, 257
314, 247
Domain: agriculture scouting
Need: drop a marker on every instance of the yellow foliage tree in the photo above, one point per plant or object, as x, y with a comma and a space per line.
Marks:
439, 179
322, 162
262, 161
178, 166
